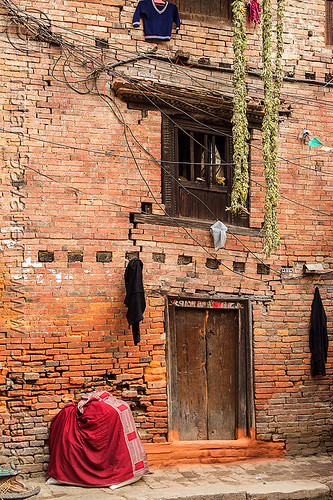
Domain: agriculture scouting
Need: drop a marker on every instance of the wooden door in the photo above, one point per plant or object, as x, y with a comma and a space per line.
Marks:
206, 356
221, 345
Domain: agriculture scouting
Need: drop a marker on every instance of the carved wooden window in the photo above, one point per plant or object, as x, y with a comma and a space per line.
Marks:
210, 8
197, 175
329, 22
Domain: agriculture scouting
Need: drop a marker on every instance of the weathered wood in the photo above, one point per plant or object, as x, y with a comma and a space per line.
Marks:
162, 220
205, 354
222, 332
169, 167
216, 200
202, 9
191, 374
204, 105
172, 370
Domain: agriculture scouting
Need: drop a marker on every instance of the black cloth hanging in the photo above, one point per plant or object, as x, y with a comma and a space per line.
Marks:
135, 296
318, 336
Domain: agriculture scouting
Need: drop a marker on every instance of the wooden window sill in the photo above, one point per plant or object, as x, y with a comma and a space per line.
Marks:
163, 220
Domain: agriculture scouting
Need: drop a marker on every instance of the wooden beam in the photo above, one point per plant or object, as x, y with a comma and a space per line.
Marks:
163, 220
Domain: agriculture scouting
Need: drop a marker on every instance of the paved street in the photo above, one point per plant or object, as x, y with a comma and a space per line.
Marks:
300, 478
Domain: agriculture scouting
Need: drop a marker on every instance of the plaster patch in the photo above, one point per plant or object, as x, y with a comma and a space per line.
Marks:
29, 263
14, 229
11, 243
20, 277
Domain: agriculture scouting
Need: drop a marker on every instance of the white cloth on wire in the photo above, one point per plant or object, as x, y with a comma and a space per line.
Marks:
219, 233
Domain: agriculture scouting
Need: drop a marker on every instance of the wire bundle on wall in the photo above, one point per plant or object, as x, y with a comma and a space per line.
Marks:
74, 58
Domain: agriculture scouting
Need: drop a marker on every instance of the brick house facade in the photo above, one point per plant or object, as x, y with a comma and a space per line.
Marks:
89, 112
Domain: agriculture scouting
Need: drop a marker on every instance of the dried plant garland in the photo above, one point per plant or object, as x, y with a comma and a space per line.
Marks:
240, 130
270, 126
272, 85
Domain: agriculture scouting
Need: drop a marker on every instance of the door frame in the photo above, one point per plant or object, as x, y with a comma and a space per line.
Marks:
245, 414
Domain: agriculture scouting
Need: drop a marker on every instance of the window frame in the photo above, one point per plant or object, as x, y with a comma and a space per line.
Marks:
172, 186
192, 9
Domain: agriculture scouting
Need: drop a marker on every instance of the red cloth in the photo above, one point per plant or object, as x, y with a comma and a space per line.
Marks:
254, 9
95, 443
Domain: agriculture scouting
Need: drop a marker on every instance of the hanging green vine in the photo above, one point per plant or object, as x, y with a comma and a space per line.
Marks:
272, 86
240, 131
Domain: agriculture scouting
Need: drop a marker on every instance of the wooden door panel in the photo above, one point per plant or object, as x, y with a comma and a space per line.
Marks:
221, 342
191, 374
210, 369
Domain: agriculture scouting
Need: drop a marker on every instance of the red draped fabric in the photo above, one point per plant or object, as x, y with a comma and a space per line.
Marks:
95, 443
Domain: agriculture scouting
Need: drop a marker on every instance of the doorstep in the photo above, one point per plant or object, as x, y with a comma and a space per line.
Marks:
173, 453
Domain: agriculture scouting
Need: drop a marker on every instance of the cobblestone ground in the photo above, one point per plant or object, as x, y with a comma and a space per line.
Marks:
298, 478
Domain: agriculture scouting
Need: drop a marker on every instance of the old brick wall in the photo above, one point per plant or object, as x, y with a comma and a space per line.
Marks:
67, 233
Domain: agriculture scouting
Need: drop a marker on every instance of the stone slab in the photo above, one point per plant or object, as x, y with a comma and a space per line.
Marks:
303, 478
288, 490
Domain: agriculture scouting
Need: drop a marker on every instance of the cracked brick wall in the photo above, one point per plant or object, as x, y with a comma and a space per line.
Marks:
67, 233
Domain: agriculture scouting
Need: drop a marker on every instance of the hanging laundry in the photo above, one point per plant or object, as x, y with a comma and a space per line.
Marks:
253, 12
135, 297
326, 148
219, 233
318, 340
314, 142
158, 19
96, 443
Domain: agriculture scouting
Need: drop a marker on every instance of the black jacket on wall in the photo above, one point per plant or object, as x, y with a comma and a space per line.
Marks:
318, 336
135, 297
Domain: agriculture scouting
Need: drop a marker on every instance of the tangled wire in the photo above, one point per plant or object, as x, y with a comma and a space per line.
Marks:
79, 66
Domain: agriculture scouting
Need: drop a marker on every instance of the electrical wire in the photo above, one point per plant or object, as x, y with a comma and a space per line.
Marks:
160, 164
229, 81
225, 135
253, 145
317, 90
156, 161
297, 203
159, 204
191, 68
76, 190
245, 246
218, 78
126, 207
94, 76
123, 206
154, 58
116, 155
